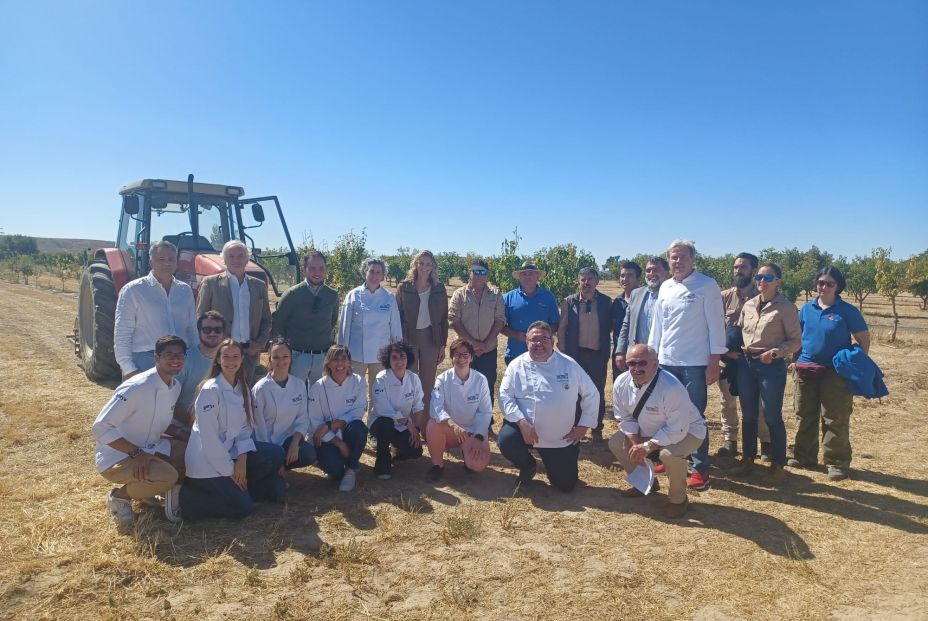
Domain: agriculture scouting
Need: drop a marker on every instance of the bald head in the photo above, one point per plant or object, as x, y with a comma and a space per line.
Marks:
642, 364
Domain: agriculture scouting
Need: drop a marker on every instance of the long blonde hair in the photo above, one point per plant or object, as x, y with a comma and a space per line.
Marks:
413, 273
240, 376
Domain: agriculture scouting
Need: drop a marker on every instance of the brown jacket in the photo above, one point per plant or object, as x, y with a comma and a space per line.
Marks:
216, 295
407, 300
775, 327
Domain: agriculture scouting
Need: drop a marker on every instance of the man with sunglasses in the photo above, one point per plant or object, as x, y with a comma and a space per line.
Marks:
211, 328
655, 414
733, 299
584, 334
477, 314
306, 316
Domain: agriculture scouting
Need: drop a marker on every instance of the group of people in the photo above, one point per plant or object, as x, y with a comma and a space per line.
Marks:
191, 424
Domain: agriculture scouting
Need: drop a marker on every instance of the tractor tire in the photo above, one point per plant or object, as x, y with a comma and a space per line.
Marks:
96, 319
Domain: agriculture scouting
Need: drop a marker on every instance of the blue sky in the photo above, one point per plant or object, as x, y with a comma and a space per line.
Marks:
617, 126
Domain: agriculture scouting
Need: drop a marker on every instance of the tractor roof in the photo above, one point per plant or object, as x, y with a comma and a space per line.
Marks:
180, 187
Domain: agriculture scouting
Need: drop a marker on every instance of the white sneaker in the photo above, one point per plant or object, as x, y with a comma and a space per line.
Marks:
172, 505
348, 481
121, 512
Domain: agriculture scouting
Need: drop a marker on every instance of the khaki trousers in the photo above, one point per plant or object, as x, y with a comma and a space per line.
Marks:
673, 457
163, 473
730, 421
369, 373
425, 367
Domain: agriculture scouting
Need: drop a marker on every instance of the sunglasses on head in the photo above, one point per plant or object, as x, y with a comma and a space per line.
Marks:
211, 330
764, 277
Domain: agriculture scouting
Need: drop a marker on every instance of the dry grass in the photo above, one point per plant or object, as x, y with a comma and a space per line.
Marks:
467, 549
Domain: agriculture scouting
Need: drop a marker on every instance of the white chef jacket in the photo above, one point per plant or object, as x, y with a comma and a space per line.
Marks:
667, 416
221, 431
368, 322
145, 313
280, 412
466, 403
329, 402
689, 321
395, 398
545, 394
140, 410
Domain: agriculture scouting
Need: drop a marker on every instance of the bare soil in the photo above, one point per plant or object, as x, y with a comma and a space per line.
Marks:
468, 548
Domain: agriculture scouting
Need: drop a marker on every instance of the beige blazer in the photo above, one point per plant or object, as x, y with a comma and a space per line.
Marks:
215, 295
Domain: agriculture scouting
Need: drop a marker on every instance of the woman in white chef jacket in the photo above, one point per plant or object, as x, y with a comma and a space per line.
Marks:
226, 469
369, 320
460, 413
337, 403
398, 402
281, 409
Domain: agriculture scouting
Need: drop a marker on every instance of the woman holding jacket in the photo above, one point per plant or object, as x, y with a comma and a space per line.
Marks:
423, 307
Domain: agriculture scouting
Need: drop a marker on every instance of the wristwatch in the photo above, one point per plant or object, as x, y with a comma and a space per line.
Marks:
138, 451
648, 446
775, 354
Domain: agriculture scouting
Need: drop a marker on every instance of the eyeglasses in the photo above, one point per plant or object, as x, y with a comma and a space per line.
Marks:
212, 330
826, 284
539, 340
764, 277
173, 355
636, 363
479, 271
461, 355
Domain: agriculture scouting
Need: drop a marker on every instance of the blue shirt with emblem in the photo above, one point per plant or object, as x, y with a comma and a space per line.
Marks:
523, 310
827, 331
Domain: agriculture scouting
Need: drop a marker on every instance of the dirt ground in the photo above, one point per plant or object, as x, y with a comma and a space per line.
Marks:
467, 549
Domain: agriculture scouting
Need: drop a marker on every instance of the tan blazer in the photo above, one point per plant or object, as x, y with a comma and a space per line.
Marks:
215, 295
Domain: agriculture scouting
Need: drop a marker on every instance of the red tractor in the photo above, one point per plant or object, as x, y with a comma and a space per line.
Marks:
198, 218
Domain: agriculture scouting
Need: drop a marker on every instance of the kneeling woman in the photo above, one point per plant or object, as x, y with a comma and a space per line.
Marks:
460, 413
337, 403
281, 410
226, 469
397, 405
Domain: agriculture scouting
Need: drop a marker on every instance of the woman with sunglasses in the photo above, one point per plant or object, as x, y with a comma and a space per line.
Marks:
822, 396
337, 403
771, 333
397, 405
461, 413
423, 307
281, 410
226, 469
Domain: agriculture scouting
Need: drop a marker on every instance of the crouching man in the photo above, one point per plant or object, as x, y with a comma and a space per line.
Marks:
655, 414
135, 448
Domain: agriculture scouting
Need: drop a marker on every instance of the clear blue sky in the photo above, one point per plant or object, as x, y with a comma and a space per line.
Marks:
617, 126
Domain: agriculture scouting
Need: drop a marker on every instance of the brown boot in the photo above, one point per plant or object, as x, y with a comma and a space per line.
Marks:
743, 468
775, 474
676, 510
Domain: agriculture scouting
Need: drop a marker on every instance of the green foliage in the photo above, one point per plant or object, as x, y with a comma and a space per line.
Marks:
398, 264
718, 268
562, 265
796, 278
13, 245
916, 276
612, 268
890, 281
451, 265
502, 265
345, 261
860, 275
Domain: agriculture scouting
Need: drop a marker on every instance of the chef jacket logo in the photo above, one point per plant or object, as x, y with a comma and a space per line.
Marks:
409, 395
384, 307
208, 407
297, 399
562, 377
378, 391
472, 398
350, 400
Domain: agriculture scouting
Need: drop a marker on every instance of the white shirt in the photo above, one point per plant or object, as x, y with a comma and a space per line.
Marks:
667, 416
329, 402
545, 394
140, 410
394, 398
221, 431
241, 309
466, 403
689, 321
145, 312
423, 320
368, 322
280, 412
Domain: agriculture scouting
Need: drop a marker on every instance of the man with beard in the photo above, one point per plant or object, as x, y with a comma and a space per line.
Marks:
733, 300
211, 327
636, 326
630, 279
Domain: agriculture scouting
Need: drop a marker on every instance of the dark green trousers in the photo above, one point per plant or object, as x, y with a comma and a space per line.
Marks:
823, 411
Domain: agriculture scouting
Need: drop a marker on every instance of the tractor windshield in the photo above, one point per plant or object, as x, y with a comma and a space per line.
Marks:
171, 221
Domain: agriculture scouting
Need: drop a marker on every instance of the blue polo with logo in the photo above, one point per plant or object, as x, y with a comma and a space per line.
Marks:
827, 331
522, 311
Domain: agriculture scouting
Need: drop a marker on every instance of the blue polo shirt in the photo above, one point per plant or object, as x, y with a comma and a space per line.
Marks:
522, 311
827, 331
196, 369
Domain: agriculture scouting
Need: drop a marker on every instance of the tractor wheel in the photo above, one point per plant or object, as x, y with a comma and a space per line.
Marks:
96, 318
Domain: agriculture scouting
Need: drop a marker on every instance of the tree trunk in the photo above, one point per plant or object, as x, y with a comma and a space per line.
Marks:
892, 338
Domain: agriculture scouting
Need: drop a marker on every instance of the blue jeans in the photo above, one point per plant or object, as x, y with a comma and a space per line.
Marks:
387, 435
694, 380
307, 366
560, 463
306, 457
332, 462
219, 497
143, 360
762, 384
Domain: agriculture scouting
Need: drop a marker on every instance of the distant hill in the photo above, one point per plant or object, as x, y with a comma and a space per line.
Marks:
54, 244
